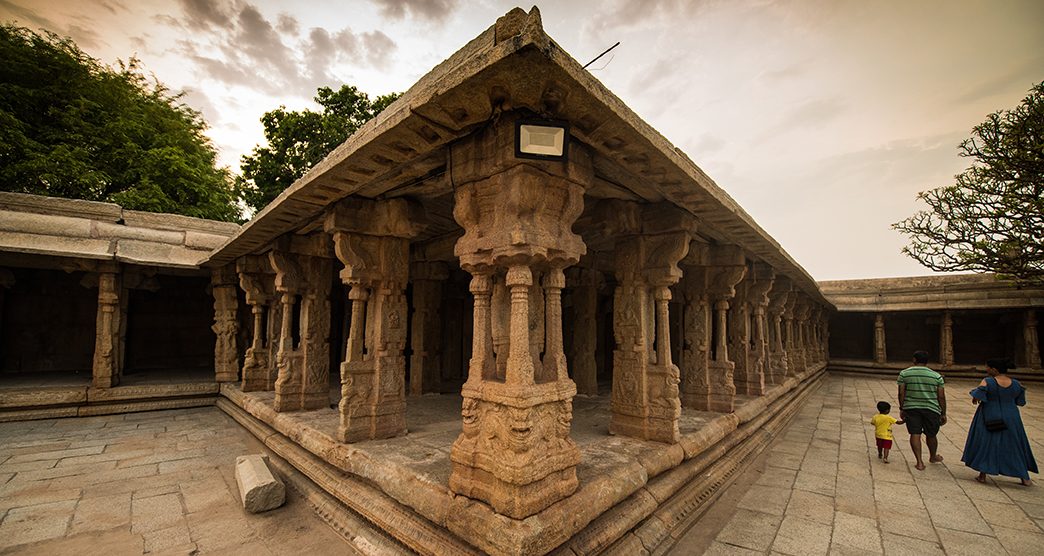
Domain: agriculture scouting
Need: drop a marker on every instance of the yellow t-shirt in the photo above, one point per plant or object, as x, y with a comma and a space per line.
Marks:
883, 426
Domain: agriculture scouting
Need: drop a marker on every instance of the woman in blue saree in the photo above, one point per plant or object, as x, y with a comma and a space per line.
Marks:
997, 442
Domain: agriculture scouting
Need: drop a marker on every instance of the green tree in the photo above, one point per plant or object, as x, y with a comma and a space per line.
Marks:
297, 140
72, 127
992, 218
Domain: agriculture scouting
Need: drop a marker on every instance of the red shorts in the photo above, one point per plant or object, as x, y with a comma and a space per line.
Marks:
884, 444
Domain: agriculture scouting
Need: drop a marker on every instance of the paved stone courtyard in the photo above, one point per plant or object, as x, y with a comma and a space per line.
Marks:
161, 483
158, 482
820, 489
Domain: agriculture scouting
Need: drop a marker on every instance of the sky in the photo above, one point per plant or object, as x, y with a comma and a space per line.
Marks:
822, 118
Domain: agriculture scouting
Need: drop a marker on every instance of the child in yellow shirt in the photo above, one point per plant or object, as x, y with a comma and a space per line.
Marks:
882, 423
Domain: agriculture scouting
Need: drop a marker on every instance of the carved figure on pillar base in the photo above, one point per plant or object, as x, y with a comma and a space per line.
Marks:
371, 239
585, 284
257, 281
303, 284
778, 362
226, 324
515, 451
426, 331
107, 365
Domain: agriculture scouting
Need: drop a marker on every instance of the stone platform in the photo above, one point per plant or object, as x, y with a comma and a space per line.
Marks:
630, 490
71, 394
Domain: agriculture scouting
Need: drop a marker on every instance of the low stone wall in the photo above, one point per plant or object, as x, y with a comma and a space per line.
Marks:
24, 404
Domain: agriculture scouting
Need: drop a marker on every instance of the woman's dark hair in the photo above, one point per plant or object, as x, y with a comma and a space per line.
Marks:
1002, 364
884, 407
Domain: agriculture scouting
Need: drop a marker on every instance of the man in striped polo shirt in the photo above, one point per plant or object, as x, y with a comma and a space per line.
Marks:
922, 404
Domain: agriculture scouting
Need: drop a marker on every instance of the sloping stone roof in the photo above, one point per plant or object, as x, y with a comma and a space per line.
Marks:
929, 293
513, 64
72, 228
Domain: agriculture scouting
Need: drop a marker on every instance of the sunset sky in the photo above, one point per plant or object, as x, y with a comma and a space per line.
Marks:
823, 119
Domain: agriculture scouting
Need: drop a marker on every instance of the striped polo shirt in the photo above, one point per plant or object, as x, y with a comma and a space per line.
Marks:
921, 385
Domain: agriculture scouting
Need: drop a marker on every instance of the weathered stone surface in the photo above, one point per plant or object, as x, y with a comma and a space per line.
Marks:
37, 204
304, 369
259, 490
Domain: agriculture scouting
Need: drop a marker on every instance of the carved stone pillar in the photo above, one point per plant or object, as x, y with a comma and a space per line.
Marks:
107, 366
816, 335
426, 325
823, 345
646, 402
259, 371
696, 344
880, 353
779, 295
738, 334
946, 339
1030, 343
752, 382
303, 357
584, 284
515, 451
226, 324
789, 340
799, 363
372, 240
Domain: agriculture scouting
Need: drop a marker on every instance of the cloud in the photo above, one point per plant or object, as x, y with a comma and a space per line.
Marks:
82, 33
1004, 83
432, 10
806, 115
287, 24
379, 48
204, 14
243, 47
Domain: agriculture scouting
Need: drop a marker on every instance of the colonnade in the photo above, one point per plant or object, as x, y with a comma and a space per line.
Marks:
515, 449
1026, 353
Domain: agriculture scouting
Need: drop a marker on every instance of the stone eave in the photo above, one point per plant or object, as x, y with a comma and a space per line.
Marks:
77, 229
467, 90
930, 293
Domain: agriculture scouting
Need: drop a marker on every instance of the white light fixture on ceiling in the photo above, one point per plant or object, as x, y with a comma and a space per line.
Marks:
541, 139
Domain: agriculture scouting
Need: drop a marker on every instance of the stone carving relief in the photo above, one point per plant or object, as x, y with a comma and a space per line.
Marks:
646, 399
226, 324
107, 344
302, 283
371, 239
515, 450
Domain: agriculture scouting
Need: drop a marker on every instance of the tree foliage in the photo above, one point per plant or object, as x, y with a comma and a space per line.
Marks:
992, 218
72, 127
297, 140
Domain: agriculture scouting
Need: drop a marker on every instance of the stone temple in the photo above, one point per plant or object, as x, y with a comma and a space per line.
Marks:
470, 349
